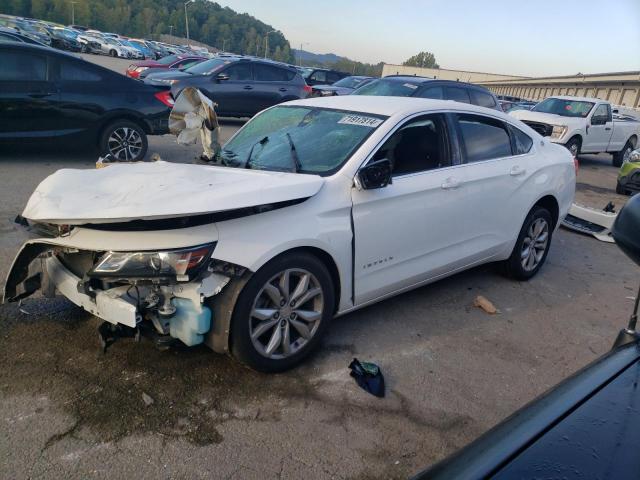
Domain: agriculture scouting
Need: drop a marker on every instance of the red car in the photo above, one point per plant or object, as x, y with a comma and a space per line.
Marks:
139, 70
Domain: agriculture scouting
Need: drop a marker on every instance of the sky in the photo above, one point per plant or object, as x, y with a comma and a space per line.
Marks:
517, 37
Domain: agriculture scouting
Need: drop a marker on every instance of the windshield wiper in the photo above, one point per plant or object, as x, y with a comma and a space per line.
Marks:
247, 163
294, 155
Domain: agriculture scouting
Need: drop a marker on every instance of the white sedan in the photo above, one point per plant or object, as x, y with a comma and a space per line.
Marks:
317, 208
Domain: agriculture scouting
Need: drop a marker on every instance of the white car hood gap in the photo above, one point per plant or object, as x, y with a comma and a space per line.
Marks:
153, 190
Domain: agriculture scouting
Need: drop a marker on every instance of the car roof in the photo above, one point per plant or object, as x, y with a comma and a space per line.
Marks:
43, 48
390, 106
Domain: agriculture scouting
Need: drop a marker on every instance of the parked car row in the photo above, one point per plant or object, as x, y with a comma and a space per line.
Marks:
78, 38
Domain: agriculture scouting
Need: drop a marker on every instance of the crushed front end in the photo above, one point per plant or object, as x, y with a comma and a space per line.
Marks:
164, 291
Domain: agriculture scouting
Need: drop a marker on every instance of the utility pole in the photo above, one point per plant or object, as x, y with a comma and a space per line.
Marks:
171, 30
186, 18
73, 13
266, 42
302, 44
224, 43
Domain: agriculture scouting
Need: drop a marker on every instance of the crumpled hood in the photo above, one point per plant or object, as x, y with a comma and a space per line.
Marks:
152, 190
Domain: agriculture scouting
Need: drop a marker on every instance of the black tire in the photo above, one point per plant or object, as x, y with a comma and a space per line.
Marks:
574, 142
136, 146
242, 347
618, 157
620, 189
113, 53
514, 264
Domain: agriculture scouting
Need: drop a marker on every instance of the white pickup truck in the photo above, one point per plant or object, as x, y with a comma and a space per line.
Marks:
584, 125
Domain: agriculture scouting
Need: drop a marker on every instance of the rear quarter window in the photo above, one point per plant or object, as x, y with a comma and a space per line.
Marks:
522, 142
482, 99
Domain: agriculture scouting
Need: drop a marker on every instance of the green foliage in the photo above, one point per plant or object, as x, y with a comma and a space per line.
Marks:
209, 22
423, 59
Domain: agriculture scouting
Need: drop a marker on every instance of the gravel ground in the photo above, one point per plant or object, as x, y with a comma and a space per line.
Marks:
452, 371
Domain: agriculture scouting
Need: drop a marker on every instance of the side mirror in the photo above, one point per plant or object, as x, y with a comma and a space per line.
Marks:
374, 175
222, 77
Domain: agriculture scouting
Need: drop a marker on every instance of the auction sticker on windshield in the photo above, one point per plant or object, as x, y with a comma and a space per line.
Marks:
360, 120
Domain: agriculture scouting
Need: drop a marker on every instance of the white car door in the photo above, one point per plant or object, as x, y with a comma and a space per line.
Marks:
498, 160
409, 231
599, 130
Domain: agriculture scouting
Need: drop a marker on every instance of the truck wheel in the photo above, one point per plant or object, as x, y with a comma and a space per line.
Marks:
623, 155
282, 313
532, 246
573, 146
124, 140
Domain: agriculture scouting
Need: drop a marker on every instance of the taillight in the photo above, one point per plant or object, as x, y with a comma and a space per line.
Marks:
307, 89
165, 97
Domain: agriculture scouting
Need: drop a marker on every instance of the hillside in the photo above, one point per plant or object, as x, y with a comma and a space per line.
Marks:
310, 58
209, 22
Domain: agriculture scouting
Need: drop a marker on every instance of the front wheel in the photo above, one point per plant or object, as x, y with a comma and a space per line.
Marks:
282, 313
623, 155
573, 146
124, 140
532, 246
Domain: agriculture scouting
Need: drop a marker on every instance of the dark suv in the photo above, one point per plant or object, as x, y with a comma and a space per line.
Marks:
321, 76
240, 86
421, 87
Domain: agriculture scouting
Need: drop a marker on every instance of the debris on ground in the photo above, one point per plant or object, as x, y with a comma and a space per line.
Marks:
147, 399
484, 304
368, 376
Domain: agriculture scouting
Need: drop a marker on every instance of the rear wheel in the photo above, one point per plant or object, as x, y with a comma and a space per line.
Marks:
623, 155
532, 246
282, 313
124, 140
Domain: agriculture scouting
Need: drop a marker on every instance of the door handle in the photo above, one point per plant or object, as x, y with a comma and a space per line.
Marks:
248, 87
282, 89
39, 94
607, 128
516, 170
451, 184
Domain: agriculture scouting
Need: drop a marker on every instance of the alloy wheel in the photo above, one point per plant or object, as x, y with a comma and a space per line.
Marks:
286, 313
627, 154
124, 144
573, 148
535, 244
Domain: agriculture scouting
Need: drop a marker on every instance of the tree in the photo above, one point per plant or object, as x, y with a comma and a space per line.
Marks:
423, 60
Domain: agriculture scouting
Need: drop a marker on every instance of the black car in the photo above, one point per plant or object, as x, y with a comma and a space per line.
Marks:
321, 76
421, 87
48, 95
341, 87
588, 427
12, 35
64, 39
240, 86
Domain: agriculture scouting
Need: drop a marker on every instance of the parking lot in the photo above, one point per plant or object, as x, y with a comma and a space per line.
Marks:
452, 371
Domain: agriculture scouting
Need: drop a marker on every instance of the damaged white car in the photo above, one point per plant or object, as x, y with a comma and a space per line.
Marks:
316, 208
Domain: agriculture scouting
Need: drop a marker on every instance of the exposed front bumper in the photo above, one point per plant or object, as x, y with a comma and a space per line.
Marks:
111, 305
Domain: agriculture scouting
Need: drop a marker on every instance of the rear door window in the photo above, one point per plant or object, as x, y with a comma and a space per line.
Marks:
483, 99
483, 138
319, 76
431, 92
456, 93
22, 66
267, 73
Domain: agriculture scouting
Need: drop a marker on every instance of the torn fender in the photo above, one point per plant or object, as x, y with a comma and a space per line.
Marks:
155, 190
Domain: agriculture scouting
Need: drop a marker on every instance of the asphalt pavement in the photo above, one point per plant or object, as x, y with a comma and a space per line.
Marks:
452, 371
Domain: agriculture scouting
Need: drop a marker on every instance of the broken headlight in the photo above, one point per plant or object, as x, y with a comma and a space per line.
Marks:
169, 263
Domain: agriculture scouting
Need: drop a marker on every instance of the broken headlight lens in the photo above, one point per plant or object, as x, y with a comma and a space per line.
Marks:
167, 263
558, 131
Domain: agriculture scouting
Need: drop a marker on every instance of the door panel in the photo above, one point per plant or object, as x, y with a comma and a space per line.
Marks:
597, 136
406, 232
234, 95
409, 231
27, 99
